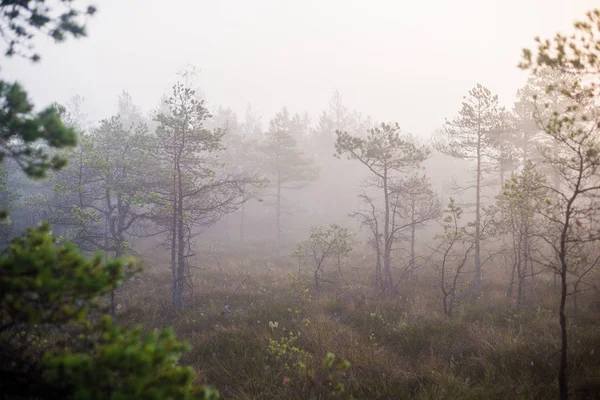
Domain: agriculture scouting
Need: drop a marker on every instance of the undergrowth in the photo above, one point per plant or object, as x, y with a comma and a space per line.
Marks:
278, 338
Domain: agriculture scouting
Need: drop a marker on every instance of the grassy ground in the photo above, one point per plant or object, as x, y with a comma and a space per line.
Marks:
252, 324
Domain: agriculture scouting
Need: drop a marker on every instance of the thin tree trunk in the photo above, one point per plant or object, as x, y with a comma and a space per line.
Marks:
379, 270
412, 238
515, 249
526, 248
520, 288
174, 283
112, 292
378, 279
227, 236
242, 227
443, 286
562, 372
502, 172
278, 209
446, 309
387, 249
113, 303
477, 279
511, 285
180, 243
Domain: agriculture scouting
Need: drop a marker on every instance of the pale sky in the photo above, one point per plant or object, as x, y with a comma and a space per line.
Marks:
396, 60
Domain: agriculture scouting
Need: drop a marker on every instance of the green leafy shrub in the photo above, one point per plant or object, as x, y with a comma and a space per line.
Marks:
127, 364
44, 284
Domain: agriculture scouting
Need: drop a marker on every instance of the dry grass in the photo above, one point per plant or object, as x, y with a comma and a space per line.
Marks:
399, 346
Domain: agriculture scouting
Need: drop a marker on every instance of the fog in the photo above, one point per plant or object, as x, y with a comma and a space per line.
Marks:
321, 199
409, 62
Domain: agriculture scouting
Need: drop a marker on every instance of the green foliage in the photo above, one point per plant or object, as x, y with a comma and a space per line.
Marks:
284, 352
8, 198
127, 364
575, 158
576, 52
188, 155
523, 193
20, 20
282, 160
325, 380
8, 202
451, 259
517, 214
324, 243
386, 154
54, 285
26, 135
384, 149
46, 283
474, 128
300, 292
51, 285
102, 193
451, 223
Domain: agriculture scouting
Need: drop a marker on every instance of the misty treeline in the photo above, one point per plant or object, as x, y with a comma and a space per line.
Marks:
182, 171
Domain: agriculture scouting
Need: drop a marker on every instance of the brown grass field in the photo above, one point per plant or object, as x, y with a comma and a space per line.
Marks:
399, 346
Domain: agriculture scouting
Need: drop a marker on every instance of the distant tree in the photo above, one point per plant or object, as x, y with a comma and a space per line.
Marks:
325, 243
183, 143
192, 192
369, 217
122, 162
301, 127
452, 254
285, 165
505, 155
534, 101
241, 155
129, 114
336, 117
251, 126
572, 215
417, 205
387, 156
103, 194
337, 180
472, 135
517, 210
344, 242
526, 133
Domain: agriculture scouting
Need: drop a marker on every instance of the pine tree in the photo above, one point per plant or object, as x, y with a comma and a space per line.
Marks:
193, 191
387, 155
517, 211
472, 135
286, 166
419, 204
575, 158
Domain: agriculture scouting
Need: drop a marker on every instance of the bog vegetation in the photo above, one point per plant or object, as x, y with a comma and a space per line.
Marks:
188, 254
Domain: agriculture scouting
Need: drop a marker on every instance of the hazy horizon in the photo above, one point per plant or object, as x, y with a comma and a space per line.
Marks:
388, 59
